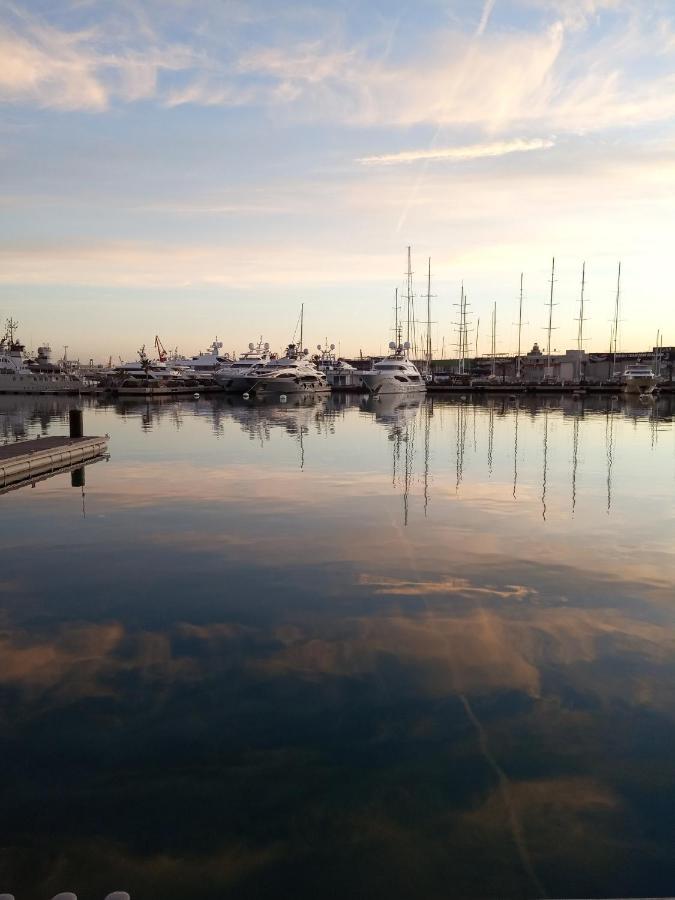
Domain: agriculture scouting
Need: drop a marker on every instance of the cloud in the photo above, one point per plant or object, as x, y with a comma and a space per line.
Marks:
553, 75
471, 151
78, 70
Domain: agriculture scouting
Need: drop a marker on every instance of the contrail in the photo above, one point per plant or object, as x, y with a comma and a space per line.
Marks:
485, 18
412, 197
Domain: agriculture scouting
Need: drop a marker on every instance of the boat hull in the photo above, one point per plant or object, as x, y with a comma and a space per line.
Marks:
28, 384
284, 386
384, 384
638, 385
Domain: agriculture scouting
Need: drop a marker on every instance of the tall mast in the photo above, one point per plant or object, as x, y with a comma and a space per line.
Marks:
409, 297
616, 317
429, 318
494, 339
460, 332
520, 324
580, 332
550, 321
397, 336
302, 319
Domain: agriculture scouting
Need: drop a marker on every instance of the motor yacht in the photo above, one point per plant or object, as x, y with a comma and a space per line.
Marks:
18, 376
292, 374
208, 361
395, 374
233, 378
639, 379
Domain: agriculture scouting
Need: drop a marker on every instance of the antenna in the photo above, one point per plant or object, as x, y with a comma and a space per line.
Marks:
11, 326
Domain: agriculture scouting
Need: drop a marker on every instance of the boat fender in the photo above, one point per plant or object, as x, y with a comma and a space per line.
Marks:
282, 398
195, 396
245, 395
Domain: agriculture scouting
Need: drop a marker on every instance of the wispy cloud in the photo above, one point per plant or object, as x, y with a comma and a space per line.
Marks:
81, 69
459, 154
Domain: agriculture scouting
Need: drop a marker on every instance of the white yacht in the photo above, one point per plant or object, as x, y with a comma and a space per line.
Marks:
209, 361
395, 374
292, 374
233, 378
339, 374
18, 377
639, 379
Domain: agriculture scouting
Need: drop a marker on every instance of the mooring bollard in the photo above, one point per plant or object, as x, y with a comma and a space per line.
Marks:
75, 420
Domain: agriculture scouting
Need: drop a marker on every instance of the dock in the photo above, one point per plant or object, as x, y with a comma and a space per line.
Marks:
26, 461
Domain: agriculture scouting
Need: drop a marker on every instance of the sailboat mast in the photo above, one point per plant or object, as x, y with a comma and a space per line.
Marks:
494, 339
429, 318
409, 297
397, 336
580, 333
302, 319
520, 324
616, 317
550, 321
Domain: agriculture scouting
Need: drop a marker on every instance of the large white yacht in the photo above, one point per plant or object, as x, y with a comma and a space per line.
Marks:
395, 374
639, 379
233, 378
17, 376
292, 374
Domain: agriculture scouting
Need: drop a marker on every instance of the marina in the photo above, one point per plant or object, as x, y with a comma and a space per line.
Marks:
337, 450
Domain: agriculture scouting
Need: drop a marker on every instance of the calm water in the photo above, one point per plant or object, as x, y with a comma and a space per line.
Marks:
349, 649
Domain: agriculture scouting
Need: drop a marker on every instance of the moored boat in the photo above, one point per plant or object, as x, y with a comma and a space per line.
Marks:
395, 374
639, 379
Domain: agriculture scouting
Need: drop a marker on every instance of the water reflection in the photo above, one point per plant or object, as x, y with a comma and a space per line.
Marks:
336, 649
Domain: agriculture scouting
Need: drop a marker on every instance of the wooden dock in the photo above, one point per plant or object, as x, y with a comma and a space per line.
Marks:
26, 461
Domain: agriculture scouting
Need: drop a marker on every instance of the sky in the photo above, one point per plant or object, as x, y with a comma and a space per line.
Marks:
193, 169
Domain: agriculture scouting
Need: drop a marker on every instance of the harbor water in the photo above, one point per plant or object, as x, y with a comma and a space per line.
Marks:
342, 648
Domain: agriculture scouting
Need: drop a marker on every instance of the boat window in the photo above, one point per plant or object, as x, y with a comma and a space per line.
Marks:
400, 378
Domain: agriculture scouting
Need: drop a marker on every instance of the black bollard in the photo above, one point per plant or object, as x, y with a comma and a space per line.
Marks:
77, 478
76, 426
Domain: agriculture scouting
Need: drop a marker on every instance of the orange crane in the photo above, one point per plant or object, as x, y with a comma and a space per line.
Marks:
162, 355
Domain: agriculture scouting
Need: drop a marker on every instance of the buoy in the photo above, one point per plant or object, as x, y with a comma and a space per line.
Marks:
195, 396
245, 395
66, 895
118, 895
282, 398
6, 896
